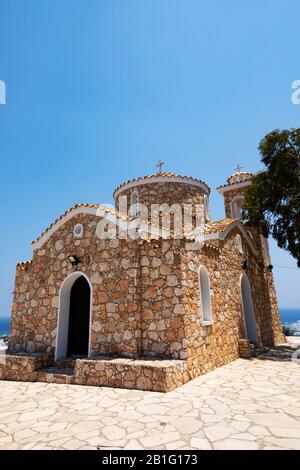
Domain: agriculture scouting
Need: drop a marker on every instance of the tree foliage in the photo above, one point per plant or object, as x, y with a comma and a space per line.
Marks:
273, 200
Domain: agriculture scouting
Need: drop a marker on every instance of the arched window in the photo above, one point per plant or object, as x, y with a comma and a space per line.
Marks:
134, 203
205, 301
206, 208
236, 207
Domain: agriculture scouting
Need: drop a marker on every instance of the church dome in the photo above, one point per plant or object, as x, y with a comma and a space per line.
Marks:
162, 188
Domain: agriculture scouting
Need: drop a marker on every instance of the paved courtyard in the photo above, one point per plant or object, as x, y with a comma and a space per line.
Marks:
244, 405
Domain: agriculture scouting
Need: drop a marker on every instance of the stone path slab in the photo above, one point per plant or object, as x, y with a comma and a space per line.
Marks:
251, 404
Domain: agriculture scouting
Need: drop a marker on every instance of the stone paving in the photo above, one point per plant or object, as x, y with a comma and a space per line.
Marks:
248, 404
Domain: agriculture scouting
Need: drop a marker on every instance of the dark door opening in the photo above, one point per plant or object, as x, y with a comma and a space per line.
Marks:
79, 318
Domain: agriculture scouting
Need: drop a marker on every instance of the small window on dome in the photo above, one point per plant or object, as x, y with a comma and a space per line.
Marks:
78, 230
134, 203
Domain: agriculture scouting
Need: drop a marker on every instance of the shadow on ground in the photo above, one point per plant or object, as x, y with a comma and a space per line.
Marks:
281, 353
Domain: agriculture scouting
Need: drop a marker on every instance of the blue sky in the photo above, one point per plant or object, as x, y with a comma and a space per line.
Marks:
99, 90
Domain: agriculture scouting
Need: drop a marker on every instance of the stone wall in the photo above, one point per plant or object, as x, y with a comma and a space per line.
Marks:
163, 331
270, 322
113, 269
210, 346
137, 300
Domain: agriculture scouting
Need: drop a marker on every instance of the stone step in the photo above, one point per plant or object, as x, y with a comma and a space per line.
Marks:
59, 375
277, 353
68, 363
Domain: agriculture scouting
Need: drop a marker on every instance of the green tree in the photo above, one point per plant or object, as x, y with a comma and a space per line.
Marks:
273, 200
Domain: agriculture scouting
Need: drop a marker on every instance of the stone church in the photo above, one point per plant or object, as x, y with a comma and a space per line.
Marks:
111, 298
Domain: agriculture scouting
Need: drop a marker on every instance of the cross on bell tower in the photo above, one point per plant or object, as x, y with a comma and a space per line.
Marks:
238, 168
159, 165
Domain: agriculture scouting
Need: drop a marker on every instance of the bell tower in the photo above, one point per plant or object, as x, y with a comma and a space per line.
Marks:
234, 193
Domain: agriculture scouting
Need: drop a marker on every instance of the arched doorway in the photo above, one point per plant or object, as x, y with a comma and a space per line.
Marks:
248, 312
73, 332
79, 318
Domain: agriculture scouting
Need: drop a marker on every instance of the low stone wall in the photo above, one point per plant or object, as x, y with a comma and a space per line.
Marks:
154, 375
22, 367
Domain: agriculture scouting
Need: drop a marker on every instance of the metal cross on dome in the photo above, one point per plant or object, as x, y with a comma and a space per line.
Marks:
238, 168
159, 165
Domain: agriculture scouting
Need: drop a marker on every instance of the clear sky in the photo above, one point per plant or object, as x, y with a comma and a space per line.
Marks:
99, 90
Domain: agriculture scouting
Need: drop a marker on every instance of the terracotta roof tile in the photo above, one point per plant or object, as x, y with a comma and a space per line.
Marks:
243, 176
218, 225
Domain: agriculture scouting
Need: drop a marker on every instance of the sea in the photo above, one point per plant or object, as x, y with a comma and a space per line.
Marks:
288, 315
4, 326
